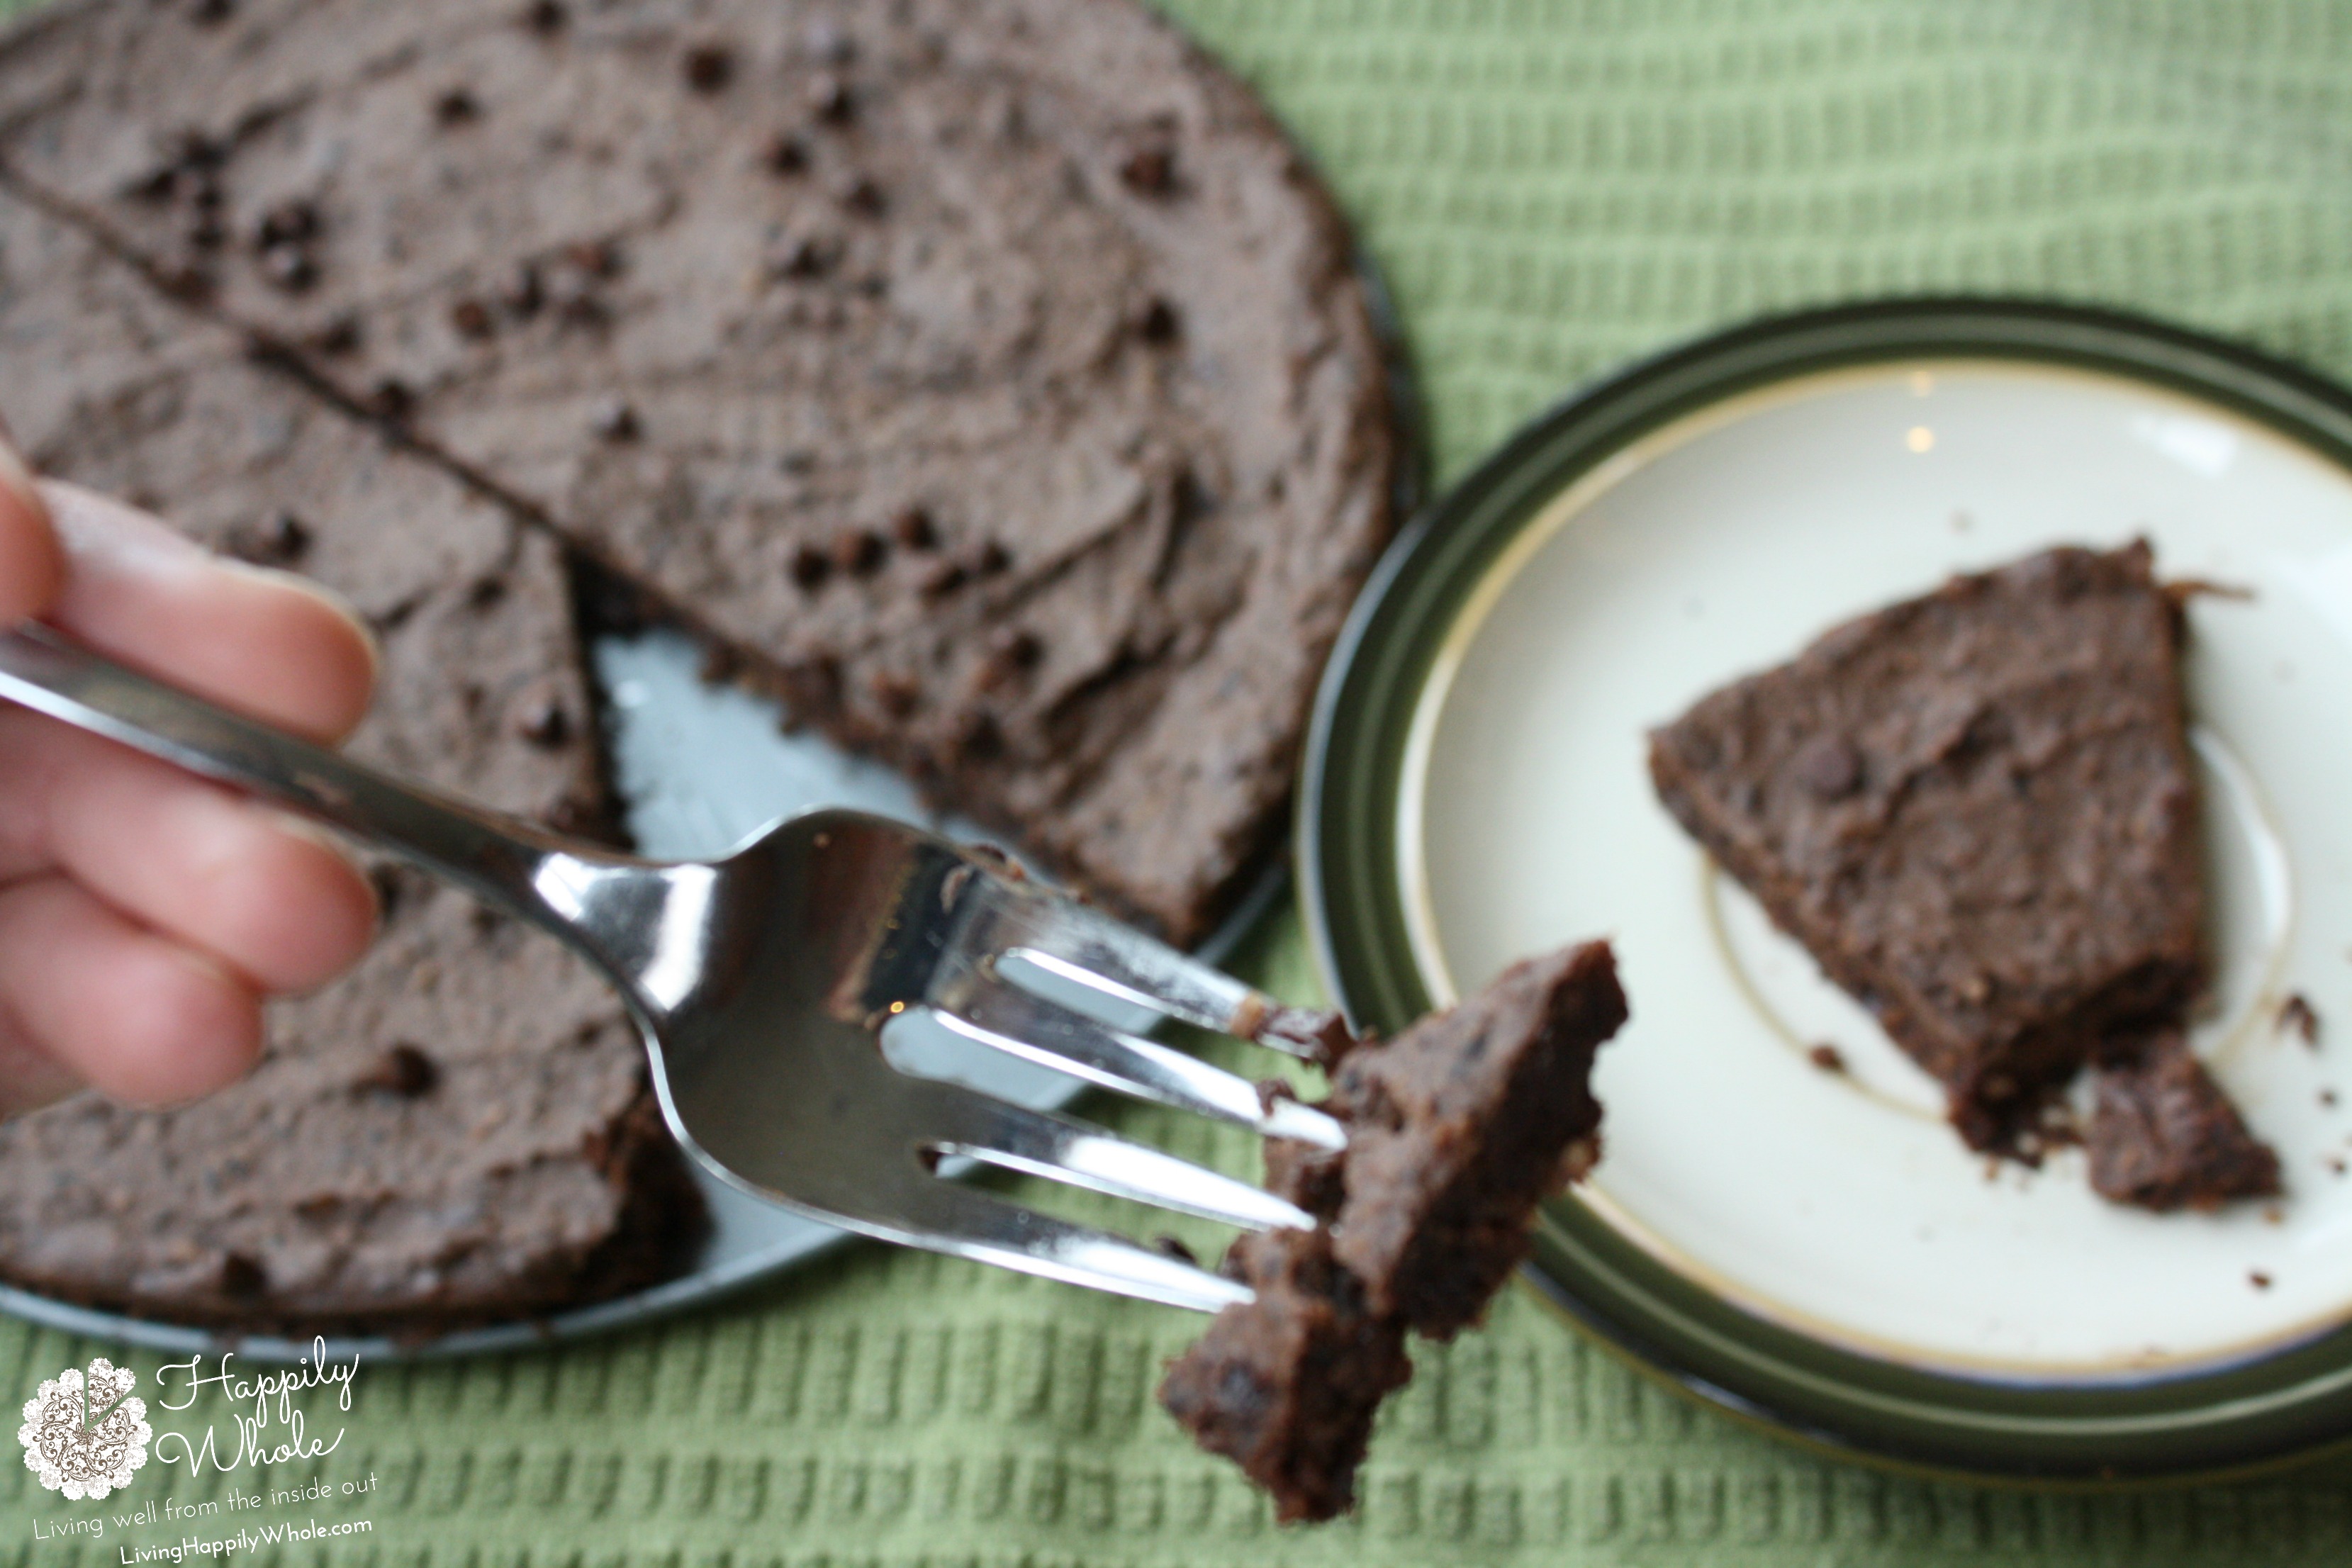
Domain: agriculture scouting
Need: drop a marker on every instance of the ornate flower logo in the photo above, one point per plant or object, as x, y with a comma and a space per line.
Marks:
83, 1436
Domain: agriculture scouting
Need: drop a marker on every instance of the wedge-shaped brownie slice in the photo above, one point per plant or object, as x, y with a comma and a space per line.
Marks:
1456, 1130
1977, 810
461, 1129
2163, 1134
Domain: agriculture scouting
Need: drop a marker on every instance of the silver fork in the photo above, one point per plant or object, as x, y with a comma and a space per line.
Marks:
762, 983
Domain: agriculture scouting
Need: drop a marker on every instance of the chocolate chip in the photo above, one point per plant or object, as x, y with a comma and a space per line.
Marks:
472, 319
993, 558
977, 737
805, 257
864, 197
522, 292
810, 566
1011, 651
832, 100
1829, 766
241, 1275
896, 693
544, 721
786, 153
1150, 170
710, 67
456, 106
279, 539
912, 529
596, 257
290, 221
290, 267
211, 12
859, 551
1016, 646
404, 1070
392, 398
338, 337
545, 17
827, 44
2297, 1016
188, 282
1158, 323
943, 578
613, 420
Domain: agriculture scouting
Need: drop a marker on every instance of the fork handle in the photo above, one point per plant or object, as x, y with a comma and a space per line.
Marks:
501, 860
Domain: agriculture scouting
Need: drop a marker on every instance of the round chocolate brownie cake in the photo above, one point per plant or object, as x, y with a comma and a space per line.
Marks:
991, 381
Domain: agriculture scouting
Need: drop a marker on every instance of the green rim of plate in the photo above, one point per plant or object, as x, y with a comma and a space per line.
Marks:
2276, 1406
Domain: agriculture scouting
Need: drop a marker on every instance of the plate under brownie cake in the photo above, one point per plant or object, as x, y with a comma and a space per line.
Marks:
462, 1130
1977, 809
994, 377
991, 381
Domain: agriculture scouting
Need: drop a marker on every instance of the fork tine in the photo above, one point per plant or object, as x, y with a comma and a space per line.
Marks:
991, 1010
1063, 1149
1066, 938
964, 1222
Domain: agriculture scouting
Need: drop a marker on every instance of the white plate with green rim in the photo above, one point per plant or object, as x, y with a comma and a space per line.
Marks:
1812, 1249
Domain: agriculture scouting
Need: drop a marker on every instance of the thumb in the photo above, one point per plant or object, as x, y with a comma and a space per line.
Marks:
31, 566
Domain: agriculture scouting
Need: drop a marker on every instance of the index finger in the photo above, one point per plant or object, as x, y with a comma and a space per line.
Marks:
272, 645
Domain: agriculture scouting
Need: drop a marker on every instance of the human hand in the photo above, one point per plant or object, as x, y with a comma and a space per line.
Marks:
144, 913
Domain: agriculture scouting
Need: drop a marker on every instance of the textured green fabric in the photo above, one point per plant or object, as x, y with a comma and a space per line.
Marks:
1550, 188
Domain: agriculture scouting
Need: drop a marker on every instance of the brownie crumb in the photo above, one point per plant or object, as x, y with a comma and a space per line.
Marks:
544, 17
279, 540
1827, 1058
942, 578
864, 197
523, 291
392, 398
1169, 1246
456, 106
211, 12
2297, 1016
2258, 1279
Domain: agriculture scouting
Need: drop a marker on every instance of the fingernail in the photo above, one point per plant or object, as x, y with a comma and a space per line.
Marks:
18, 478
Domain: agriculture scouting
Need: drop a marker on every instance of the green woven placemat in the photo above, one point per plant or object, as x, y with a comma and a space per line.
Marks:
1550, 188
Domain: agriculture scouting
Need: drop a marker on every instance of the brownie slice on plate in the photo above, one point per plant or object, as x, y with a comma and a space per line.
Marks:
1456, 1130
1978, 811
462, 1128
